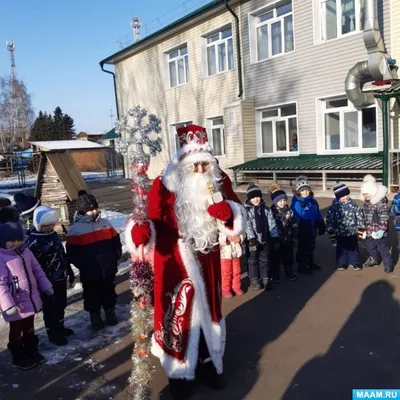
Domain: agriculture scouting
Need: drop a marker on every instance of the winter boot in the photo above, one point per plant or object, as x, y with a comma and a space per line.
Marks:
111, 317
227, 293
371, 262
67, 331
315, 267
208, 375
256, 284
291, 276
31, 344
342, 268
356, 267
96, 320
181, 389
19, 359
56, 336
303, 269
238, 291
268, 284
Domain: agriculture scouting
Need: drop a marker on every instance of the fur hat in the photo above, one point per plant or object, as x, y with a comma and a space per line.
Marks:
341, 190
26, 205
369, 185
44, 216
302, 184
86, 202
10, 226
277, 193
253, 191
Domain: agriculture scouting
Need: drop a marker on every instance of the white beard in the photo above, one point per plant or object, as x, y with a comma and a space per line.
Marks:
197, 228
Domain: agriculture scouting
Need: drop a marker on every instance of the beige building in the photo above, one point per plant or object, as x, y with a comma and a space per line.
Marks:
188, 73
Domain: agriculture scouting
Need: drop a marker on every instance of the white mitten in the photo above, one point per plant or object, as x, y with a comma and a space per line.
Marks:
13, 310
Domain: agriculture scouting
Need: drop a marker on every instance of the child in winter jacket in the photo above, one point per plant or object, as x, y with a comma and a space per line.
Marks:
376, 223
94, 247
283, 251
26, 205
345, 224
310, 224
261, 233
395, 212
47, 247
21, 278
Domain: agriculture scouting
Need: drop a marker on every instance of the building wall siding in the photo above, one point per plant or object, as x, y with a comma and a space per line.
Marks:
312, 71
141, 80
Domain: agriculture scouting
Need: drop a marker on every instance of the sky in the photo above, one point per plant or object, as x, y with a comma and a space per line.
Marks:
59, 45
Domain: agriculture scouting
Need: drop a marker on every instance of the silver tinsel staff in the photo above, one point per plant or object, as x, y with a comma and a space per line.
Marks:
135, 136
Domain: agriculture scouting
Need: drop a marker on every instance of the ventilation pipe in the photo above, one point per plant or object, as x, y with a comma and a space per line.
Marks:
377, 66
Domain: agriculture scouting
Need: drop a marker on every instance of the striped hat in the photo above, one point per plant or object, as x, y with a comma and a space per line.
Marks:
253, 191
302, 184
341, 190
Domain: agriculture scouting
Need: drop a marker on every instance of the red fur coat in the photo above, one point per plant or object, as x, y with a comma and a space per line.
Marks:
187, 286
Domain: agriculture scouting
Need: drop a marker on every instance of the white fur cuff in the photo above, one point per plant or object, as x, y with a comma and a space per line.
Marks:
239, 220
133, 249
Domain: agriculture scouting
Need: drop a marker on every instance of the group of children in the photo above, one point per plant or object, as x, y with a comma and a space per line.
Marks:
35, 268
272, 233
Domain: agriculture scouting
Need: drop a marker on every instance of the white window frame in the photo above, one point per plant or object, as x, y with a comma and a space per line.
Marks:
210, 126
322, 110
320, 21
168, 61
173, 136
260, 119
206, 46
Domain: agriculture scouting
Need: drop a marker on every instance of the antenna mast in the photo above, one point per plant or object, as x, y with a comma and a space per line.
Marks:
136, 25
11, 48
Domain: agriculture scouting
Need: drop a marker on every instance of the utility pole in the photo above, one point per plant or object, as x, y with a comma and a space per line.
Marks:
11, 48
136, 25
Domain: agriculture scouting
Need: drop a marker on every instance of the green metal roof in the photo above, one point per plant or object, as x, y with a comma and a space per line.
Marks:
111, 135
196, 13
313, 162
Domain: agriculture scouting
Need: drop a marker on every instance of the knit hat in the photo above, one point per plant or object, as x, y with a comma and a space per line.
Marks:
277, 193
302, 184
10, 226
86, 202
26, 205
369, 185
253, 191
44, 216
341, 190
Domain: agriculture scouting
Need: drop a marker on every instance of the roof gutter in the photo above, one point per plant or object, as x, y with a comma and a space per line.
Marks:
115, 86
238, 50
379, 65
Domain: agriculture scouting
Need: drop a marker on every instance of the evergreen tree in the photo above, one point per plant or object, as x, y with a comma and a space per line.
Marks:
39, 129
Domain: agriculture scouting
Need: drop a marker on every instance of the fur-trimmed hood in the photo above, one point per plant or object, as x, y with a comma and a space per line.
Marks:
379, 196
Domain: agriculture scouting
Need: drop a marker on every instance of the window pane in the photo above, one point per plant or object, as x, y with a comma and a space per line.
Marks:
212, 66
172, 74
290, 109
289, 39
348, 16
266, 17
281, 136
217, 142
181, 71
187, 68
177, 143
266, 137
330, 19
336, 103
226, 33
218, 121
230, 54
369, 128
174, 54
183, 51
351, 129
213, 38
276, 33
221, 57
262, 42
284, 9
269, 113
332, 131
293, 134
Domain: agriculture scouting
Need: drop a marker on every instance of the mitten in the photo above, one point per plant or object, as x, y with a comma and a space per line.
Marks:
49, 292
253, 248
332, 237
141, 234
221, 211
12, 310
378, 235
234, 239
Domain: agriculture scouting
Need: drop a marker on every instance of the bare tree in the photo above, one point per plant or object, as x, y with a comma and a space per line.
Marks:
16, 113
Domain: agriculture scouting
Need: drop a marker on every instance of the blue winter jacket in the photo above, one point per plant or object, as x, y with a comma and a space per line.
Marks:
344, 219
251, 231
395, 210
306, 213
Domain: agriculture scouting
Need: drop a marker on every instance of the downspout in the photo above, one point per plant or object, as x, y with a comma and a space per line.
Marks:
238, 51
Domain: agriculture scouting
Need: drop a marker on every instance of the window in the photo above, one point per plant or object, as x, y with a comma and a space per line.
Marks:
274, 31
215, 128
278, 129
219, 51
174, 138
339, 17
346, 127
178, 66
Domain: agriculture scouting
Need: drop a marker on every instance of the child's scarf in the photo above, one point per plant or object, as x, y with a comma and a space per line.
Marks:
261, 221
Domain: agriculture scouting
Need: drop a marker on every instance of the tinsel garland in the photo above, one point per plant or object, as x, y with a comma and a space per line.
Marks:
132, 140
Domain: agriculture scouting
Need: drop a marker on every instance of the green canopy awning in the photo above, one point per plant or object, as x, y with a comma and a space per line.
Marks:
111, 135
